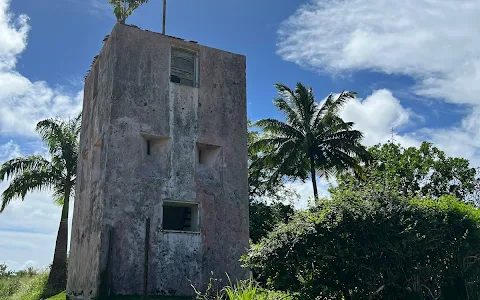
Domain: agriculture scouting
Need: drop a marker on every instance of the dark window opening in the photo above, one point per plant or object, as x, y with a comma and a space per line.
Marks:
183, 67
200, 157
148, 147
180, 216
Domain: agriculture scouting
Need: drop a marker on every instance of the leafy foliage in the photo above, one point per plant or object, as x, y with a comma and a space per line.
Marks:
242, 290
425, 171
260, 186
5, 272
313, 138
264, 218
374, 245
23, 285
122, 9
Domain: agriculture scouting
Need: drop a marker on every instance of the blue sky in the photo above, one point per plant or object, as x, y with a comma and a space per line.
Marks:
414, 63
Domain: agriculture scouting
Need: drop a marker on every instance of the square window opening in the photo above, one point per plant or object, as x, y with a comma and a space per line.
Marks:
180, 216
183, 67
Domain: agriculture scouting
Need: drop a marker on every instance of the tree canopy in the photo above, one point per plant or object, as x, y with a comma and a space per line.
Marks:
312, 141
425, 171
122, 9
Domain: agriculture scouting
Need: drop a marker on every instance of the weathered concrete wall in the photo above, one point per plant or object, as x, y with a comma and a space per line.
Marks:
138, 102
87, 231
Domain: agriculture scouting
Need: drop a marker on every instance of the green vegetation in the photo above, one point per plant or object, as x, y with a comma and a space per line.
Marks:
33, 173
365, 243
398, 225
242, 290
122, 9
22, 285
425, 172
60, 296
312, 141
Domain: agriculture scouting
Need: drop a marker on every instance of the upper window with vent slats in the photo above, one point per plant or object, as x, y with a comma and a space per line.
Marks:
183, 67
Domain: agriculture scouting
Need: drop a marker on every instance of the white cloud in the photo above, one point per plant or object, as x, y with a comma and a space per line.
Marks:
305, 191
433, 41
27, 228
376, 115
13, 36
22, 102
98, 8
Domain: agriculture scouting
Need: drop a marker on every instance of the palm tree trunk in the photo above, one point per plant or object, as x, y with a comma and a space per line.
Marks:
314, 178
57, 279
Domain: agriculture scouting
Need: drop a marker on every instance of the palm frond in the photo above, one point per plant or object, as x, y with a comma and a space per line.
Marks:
292, 99
19, 165
294, 119
62, 140
276, 127
28, 181
264, 144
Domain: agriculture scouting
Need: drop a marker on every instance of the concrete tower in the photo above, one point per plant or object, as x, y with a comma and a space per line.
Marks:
164, 137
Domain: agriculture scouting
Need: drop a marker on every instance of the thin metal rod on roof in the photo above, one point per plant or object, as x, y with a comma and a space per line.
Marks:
164, 15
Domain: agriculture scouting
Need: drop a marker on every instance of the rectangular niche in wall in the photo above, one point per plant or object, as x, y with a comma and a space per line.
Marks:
180, 216
155, 154
209, 163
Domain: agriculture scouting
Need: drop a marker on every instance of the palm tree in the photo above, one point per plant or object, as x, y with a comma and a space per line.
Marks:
313, 138
122, 9
33, 173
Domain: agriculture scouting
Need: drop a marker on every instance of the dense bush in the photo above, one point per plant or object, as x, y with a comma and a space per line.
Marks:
264, 218
365, 245
25, 285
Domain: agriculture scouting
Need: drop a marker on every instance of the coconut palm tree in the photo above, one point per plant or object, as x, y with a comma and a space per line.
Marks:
312, 139
122, 9
34, 172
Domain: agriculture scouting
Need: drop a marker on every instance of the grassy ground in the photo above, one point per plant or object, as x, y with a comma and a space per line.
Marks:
30, 287
58, 297
62, 297
22, 287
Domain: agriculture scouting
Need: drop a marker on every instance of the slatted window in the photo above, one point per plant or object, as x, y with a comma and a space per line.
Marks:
183, 67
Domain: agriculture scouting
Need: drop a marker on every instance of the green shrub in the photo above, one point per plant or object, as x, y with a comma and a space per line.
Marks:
242, 290
9, 286
365, 245
4, 272
34, 289
264, 218
23, 286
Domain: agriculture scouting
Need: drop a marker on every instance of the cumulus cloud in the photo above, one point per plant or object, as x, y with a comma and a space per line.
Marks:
24, 102
433, 41
13, 34
377, 115
27, 228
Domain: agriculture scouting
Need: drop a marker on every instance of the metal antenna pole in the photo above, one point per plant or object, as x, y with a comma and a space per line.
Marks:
164, 15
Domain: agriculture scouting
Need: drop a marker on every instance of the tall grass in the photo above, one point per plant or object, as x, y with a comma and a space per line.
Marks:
242, 290
22, 286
